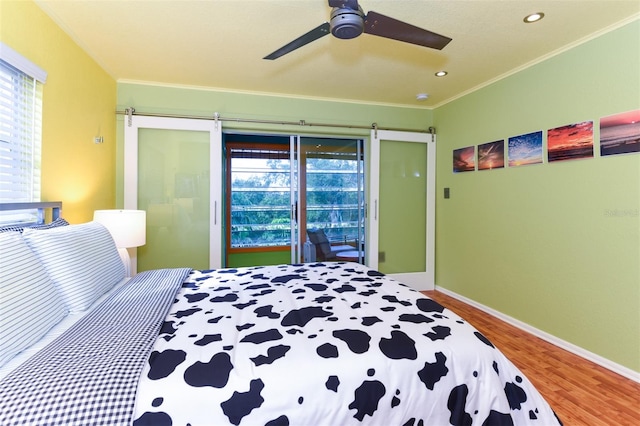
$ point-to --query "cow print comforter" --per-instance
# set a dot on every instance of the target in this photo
(324, 344)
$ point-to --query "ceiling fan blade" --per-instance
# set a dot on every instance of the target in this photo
(307, 38)
(350, 4)
(384, 26)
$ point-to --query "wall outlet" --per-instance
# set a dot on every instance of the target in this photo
(381, 256)
(447, 193)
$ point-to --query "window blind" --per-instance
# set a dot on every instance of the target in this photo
(20, 135)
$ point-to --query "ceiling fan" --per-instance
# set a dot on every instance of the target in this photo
(349, 21)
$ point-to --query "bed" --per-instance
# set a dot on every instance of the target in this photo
(333, 343)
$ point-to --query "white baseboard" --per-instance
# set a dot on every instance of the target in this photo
(570, 347)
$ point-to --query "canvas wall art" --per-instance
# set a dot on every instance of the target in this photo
(525, 149)
(491, 155)
(464, 159)
(620, 133)
(571, 142)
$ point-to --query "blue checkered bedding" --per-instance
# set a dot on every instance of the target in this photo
(90, 373)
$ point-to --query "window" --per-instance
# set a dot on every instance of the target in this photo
(259, 182)
(20, 130)
(330, 189)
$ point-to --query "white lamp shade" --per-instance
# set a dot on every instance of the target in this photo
(127, 227)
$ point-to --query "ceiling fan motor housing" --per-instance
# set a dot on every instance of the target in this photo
(347, 23)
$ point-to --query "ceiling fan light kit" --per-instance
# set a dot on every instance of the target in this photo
(347, 21)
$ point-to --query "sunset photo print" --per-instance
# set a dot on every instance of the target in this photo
(491, 155)
(571, 142)
(525, 149)
(620, 133)
(464, 159)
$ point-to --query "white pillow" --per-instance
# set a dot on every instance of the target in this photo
(29, 303)
(82, 260)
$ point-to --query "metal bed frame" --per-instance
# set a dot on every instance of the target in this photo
(41, 207)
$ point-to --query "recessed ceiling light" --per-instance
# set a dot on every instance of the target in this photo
(441, 73)
(534, 17)
(422, 96)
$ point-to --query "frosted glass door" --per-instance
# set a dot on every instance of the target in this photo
(173, 188)
(173, 172)
(402, 206)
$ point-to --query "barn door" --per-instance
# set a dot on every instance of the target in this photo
(172, 170)
(402, 206)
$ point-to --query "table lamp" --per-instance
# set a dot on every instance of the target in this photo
(128, 229)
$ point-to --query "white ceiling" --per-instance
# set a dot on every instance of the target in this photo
(220, 44)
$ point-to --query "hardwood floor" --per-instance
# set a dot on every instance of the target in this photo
(579, 391)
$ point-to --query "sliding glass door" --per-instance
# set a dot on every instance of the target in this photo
(282, 190)
(260, 181)
(332, 196)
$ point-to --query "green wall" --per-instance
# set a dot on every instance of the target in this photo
(200, 101)
(557, 245)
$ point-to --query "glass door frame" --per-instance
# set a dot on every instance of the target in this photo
(214, 127)
(424, 280)
(294, 198)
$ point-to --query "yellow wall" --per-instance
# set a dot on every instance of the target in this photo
(78, 105)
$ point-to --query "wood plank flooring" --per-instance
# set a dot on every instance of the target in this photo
(579, 391)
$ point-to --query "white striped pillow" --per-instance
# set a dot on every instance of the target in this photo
(82, 260)
(29, 303)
